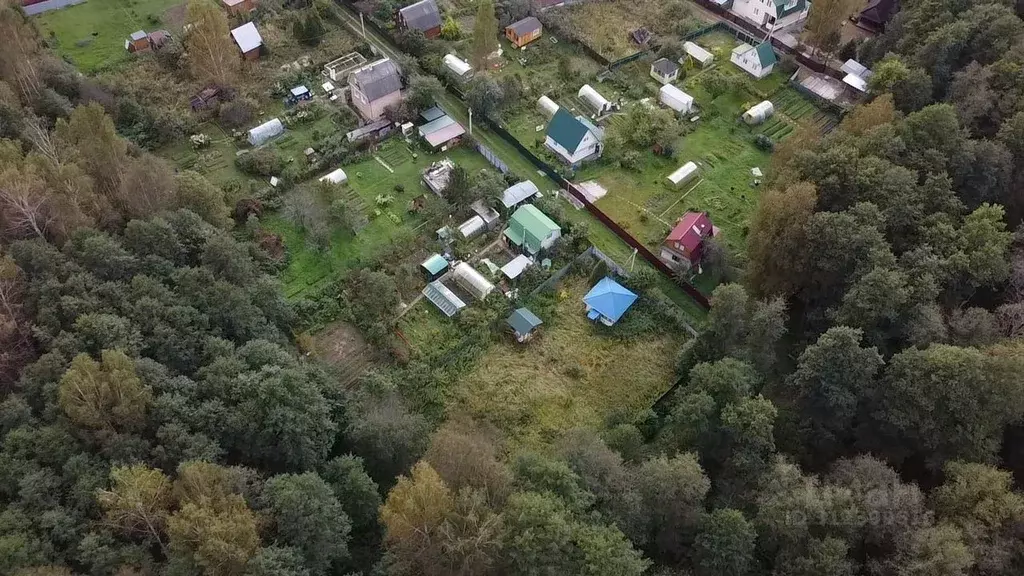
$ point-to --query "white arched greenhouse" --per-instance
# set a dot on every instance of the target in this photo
(759, 113)
(260, 134)
(598, 103)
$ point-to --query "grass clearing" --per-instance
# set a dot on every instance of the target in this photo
(92, 34)
(571, 375)
(309, 268)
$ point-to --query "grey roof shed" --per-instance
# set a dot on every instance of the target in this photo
(664, 67)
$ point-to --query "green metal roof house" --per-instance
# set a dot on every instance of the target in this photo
(523, 322)
(758, 61)
(531, 230)
(571, 139)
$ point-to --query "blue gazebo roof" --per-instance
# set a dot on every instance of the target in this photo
(609, 299)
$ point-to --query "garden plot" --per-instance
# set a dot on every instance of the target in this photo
(720, 144)
(794, 106)
(383, 196)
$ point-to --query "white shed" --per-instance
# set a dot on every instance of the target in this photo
(675, 99)
(599, 103)
(472, 227)
(685, 173)
(458, 66)
(759, 113)
(513, 269)
(699, 55)
(265, 131)
(336, 177)
(547, 106)
(472, 281)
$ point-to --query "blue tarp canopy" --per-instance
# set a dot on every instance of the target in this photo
(609, 299)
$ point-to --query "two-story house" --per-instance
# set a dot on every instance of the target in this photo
(771, 14)
(374, 87)
(573, 139)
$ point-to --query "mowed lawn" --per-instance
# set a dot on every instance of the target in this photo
(367, 179)
(92, 34)
(720, 144)
(570, 376)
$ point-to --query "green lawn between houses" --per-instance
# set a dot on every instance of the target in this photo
(366, 180)
(91, 35)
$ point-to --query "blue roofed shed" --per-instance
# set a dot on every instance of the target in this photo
(607, 301)
(523, 322)
(434, 266)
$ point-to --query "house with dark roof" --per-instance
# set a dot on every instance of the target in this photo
(374, 87)
(876, 15)
(771, 14)
(664, 70)
(423, 16)
(573, 139)
(524, 31)
(523, 323)
(758, 61)
(684, 245)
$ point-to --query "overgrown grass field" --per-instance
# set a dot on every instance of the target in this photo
(571, 375)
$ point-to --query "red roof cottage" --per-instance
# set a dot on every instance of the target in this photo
(684, 244)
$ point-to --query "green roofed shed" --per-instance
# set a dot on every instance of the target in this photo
(765, 54)
(531, 229)
(434, 266)
(523, 323)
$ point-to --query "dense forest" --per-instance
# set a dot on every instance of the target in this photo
(853, 407)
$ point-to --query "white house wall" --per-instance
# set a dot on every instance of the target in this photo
(751, 64)
(588, 147)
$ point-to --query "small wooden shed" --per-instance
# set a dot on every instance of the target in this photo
(524, 31)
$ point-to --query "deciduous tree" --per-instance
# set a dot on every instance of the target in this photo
(308, 516)
(725, 544)
(138, 501)
(106, 395)
(212, 55)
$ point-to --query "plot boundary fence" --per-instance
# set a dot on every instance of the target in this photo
(578, 195)
(642, 250)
